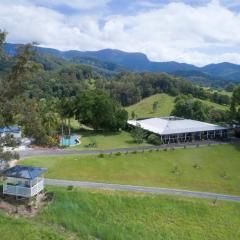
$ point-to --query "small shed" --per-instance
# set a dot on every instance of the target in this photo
(14, 131)
(23, 181)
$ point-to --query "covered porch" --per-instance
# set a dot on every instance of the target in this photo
(26, 188)
(195, 136)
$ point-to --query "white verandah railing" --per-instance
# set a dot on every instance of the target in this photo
(23, 191)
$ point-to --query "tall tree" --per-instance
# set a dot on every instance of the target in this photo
(235, 105)
(96, 109)
(187, 107)
(12, 88)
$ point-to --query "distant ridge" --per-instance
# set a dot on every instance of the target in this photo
(210, 74)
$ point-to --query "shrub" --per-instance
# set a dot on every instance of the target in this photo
(154, 139)
(70, 188)
(224, 175)
(134, 152)
(51, 141)
(176, 170)
(118, 154)
(196, 166)
(101, 155)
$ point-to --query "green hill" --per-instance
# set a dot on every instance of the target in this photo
(144, 108)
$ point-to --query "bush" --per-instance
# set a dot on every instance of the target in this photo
(134, 152)
(176, 170)
(51, 141)
(101, 155)
(70, 188)
(196, 166)
(154, 139)
(118, 154)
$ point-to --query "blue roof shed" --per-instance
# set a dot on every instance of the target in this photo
(10, 129)
(24, 172)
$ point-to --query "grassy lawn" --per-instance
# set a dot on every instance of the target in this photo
(106, 140)
(212, 168)
(85, 214)
(143, 109)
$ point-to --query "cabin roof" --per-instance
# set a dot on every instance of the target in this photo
(10, 129)
(24, 172)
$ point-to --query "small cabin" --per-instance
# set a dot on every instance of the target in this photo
(23, 181)
(14, 131)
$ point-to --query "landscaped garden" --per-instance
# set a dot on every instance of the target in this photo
(90, 140)
(211, 168)
(89, 214)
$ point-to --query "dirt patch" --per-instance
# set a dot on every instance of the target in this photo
(23, 207)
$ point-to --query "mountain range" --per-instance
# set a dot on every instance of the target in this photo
(115, 60)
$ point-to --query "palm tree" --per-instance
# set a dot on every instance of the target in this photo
(66, 113)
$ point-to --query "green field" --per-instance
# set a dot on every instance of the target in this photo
(144, 108)
(85, 214)
(24, 229)
(211, 168)
(106, 140)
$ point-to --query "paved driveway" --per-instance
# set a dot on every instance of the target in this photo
(57, 152)
(131, 188)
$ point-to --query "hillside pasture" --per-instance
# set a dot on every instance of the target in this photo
(144, 108)
(211, 168)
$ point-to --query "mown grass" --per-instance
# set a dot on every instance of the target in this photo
(211, 168)
(109, 215)
(144, 108)
(106, 140)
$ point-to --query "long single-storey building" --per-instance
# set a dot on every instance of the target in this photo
(174, 129)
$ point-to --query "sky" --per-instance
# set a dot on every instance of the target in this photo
(198, 32)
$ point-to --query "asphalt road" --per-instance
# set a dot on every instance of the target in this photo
(57, 152)
(131, 188)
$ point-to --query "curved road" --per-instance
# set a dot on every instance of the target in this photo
(132, 188)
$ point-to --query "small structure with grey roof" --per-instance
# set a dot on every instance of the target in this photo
(174, 129)
(14, 131)
(23, 181)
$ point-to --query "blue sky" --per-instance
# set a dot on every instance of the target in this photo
(192, 31)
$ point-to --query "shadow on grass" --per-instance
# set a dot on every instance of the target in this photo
(91, 133)
(237, 146)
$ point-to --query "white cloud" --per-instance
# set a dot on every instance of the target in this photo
(77, 4)
(173, 32)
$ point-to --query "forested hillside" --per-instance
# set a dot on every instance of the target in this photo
(112, 61)
(62, 78)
